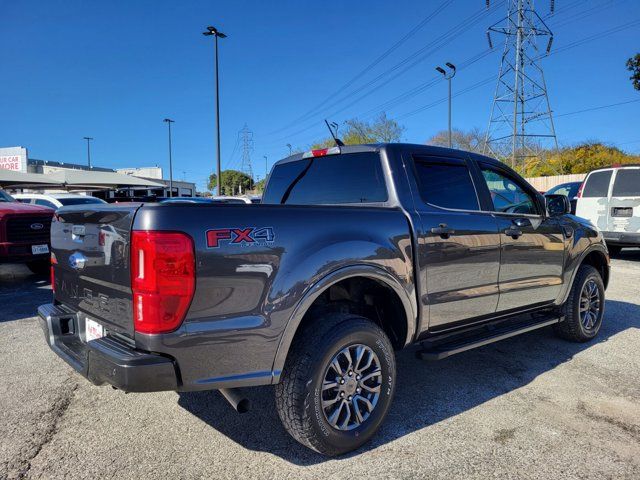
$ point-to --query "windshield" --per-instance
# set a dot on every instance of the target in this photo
(80, 201)
(5, 197)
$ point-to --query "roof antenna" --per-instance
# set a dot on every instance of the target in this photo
(334, 126)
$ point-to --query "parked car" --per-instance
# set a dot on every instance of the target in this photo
(24, 233)
(570, 190)
(57, 200)
(219, 199)
(355, 252)
(610, 199)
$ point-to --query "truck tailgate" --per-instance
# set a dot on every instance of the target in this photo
(90, 248)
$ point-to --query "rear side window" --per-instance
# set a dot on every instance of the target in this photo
(627, 183)
(333, 179)
(597, 185)
(446, 184)
(80, 201)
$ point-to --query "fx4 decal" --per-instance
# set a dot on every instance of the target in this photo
(240, 236)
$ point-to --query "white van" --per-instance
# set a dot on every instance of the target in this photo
(610, 198)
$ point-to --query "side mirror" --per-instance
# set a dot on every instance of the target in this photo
(557, 205)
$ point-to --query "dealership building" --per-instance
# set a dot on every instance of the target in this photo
(17, 159)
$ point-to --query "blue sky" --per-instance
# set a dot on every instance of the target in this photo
(113, 70)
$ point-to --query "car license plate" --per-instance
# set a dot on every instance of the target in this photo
(93, 330)
(39, 249)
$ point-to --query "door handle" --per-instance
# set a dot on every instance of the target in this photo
(442, 230)
(513, 232)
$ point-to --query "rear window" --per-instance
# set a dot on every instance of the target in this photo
(80, 201)
(446, 185)
(333, 179)
(627, 183)
(597, 184)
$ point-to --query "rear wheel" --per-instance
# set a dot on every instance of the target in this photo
(39, 267)
(337, 384)
(584, 309)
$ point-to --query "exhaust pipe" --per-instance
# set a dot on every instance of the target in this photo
(237, 400)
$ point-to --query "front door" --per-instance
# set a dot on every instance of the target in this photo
(459, 245)
(533, 244)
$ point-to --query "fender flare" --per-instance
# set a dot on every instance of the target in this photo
(594, 247)
(367, 271)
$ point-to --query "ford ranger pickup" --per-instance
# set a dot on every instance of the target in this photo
(355, 252)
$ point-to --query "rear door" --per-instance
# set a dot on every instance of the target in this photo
(532, 244)
(593, 201)
(91, 251)
(624, 203)
(458, 243)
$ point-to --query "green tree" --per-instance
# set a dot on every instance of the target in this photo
(231, 182)
(633, 65)
(579, 159)
(259, 186)
(471, 141)
(380, 130)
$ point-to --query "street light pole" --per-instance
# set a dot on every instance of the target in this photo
(289, 145)
(212, 31)
(88, 139)
(169, 122)
(448, 75)
(266, 168)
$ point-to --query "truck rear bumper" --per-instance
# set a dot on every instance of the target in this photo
(622, 239)
(105, 360)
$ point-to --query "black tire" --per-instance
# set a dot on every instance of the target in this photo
(573, 327)
(614, 250)
(299, 394)
(39, 267)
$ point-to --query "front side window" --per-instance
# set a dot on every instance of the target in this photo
(507, 195)
(45, 203)
(328, 180)
(446, 184)
(597, 184)
(627, 183)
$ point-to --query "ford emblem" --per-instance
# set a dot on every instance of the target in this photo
(37, 226)
(77, 261)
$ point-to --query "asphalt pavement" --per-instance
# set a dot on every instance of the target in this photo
(532, 406)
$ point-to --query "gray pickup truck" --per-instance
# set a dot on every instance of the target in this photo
(355, 252)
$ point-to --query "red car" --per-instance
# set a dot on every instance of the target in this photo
(24, 233)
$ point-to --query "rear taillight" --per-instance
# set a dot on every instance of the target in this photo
(162, 279)
(321, 152)
(101, 237)
(54, 261)
(579, 195)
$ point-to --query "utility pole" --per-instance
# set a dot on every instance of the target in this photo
(88, 139)
(246, 136)
(289, 145)
(521, 119)
(212, 31)
(448, 76)
(169, 122)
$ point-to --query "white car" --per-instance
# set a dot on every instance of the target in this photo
(56, 200)
(610, 199)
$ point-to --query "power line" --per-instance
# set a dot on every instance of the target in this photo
(369, 67)
(599, 107)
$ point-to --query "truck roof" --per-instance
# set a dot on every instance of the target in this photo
(376, 147)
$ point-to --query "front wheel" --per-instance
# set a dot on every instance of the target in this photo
(584, 309)
(337, 384)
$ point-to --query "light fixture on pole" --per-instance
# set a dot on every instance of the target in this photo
(169, 122)
(266, 168)
(88, 139)
(212, 31)
(448, 76)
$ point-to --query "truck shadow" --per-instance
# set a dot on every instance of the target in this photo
(426, 393)
(21, 292)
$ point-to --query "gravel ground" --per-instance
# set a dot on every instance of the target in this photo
(528, 407)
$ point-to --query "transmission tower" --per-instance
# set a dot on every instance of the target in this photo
(521, 120)
(246, 136)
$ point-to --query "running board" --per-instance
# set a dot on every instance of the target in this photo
(444, 350)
